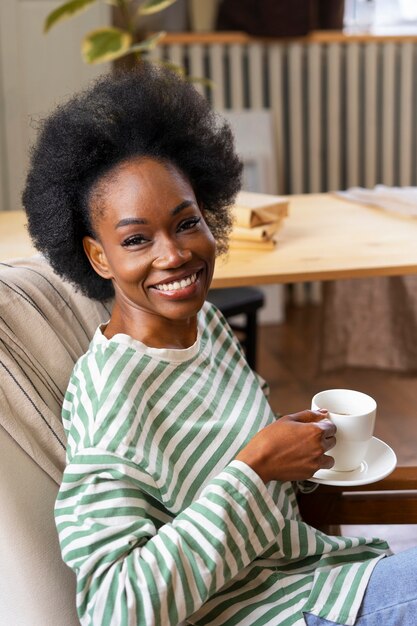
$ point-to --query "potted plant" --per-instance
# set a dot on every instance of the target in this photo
(110, 43)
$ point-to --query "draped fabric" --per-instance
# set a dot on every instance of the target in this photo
(45, 326)
(370, 323)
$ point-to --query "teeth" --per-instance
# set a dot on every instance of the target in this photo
(185, 282)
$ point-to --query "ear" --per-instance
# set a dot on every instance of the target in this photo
(97, 257)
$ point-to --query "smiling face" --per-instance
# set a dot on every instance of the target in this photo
(155, 246)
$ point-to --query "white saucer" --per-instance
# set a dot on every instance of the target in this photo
(380, 460)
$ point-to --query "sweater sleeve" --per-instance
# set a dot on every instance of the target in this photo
(134, 563)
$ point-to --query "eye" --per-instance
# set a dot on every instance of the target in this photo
(189, 223)
(134, 240)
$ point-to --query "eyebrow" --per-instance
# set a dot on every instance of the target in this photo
(127, 221)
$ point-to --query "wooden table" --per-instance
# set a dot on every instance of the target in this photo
(327, 238)
(324, 238)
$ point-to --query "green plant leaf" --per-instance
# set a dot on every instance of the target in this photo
(66, 10)
(154, 6)
(180, 70)
(105, 44)
(148, 44)
(205, 82)
(174, 67)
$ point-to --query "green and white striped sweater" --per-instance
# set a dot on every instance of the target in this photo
(159, 522)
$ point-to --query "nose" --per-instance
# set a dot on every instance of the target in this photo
(170, 255)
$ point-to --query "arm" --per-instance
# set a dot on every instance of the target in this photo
(132, 563)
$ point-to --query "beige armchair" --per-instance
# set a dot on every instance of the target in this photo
(44, 326)
(36, 586)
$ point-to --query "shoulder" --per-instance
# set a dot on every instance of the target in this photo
(103, 375)
(109, 357)
(216, 331)
(210, 315)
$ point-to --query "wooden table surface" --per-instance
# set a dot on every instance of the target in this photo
(323, 238)
(326, 238)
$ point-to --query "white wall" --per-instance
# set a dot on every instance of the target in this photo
(36, 72)
(254, 135)
(4, 194)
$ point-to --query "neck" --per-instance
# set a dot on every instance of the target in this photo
(152, 330)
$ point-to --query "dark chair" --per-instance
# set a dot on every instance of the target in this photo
(241, 301)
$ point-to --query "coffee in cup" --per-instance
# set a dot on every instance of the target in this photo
(353, 414)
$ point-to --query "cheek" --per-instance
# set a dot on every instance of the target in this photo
(210, 255)
(212, 244)
(128, 269)
(209, 251)
(209, 243)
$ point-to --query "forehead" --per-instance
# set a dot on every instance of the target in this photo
(139, 185)
(146, 176)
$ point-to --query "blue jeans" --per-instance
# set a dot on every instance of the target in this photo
(391, 596)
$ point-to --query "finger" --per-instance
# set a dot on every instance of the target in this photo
(321, 415)
(328, 443)
(309, 416)
(328, 428)
(327, 461)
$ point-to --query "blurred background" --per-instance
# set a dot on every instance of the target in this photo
(342, 112)
(321, 93)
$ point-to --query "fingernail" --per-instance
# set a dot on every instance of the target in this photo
(323, 411)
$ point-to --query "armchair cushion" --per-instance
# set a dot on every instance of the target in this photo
(37, 588)
(45, 325)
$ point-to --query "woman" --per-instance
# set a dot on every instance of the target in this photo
(176, 504)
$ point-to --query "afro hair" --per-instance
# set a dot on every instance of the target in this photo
(147, 112)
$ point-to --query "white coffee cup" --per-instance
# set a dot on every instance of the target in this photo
(353, 414)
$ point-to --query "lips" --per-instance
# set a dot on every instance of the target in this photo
(176, 285)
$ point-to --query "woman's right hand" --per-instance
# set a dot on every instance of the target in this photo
(292, 448)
